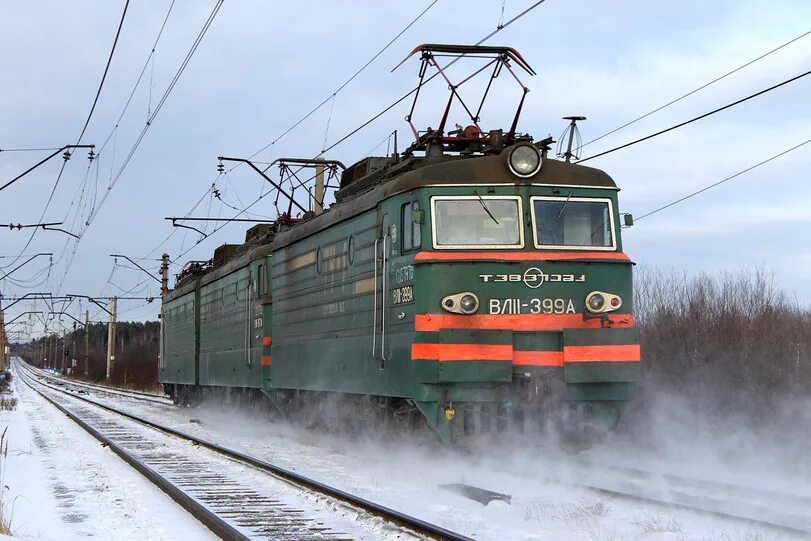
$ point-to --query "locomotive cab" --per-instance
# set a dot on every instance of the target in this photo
(511, 296)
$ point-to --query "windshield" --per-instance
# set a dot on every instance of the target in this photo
(566, 222)
(477, 222)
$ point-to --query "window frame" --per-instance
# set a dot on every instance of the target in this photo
(518, 198)
(406, 224)
(574, 199)
(416, 227)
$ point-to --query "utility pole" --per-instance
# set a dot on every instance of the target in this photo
(64, 352)
(86, 341)
(73, 347)
(111, 337)
(319, 187)
(2, 342)
(164, 274)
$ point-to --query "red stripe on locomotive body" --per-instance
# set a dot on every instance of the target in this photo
(606, 353)
(524, 322)
(519, 256)
(538, 358)
(501, 352)
(461, 352)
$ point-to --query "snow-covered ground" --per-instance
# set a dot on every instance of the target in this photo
(61, 484)
(406, 476)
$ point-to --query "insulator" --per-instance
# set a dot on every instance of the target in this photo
(220, 167)
(91, 155)
(66, 155)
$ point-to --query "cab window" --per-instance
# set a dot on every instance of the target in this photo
(477, 222)
(573, 223)
(407, 234)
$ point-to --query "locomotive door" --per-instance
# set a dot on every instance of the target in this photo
(383, 244)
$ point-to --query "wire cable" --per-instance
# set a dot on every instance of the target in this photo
(138, 80)
(702, 87)
(149, 122)
(718, 183)
(106, 69)
(344, 84)
(699, 117)
(427, 80)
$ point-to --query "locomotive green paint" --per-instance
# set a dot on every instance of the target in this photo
(180, 340)
(344, 292)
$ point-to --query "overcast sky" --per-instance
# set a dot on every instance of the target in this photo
(263, 65)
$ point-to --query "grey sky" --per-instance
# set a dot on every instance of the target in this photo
(265, 64)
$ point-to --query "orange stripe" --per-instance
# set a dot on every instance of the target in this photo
(462, 352)
(538, 358)
(586, 354)
(266, 360)
(520, 256)
(525, 322)
(266, 341)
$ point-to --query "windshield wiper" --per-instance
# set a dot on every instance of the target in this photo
(487, 210)
(563, 207)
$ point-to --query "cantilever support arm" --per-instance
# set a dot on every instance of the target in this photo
(137, 265)
(24, 263)
(175, 224)
(91, 299)
(262, 173)
(21, 175)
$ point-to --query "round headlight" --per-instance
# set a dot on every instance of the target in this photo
(468, 303)
(524, 160)
(595, 302)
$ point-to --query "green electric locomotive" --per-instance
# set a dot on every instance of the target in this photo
(470, 283)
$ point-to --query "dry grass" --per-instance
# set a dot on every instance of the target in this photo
(5, 515)
(649, 524)
(7, 403)
(731, 343)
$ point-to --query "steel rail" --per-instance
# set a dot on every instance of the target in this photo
(391, 515)
(115, 391)
(198, 510)
(687, 483)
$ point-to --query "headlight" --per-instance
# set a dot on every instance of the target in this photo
(599, 302)
(524, 160)
(595, 302)
(469, 303)
(461, 303)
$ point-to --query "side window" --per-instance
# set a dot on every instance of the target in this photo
(263, 280)
(405, 227)
(416, 227)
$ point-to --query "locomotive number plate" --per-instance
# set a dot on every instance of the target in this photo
(402, 295)
(537, 305)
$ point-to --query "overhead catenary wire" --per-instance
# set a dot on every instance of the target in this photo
(138, 80)
(303, 118)
(698, 89)
(699, 117)
(212, 15)
(723, 180)
(375, 117)
(106, 69)
(344, 84)
(428, 79)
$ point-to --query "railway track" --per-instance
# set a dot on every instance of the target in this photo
(235, 495)
(759, 506)
(92, 387)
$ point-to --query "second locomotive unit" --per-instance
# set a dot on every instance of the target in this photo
(469, 283)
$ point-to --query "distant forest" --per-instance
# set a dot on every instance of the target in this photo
(136, 353)
(726, 346)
